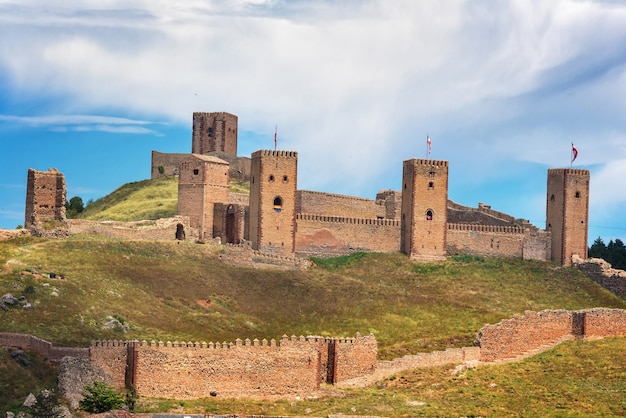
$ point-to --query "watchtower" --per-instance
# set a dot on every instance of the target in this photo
(273, 184)
(424, 214)
(45, 197)
(215, 131)
(202, 181)
(567, 213)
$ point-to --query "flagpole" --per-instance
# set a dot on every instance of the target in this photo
(275, 134)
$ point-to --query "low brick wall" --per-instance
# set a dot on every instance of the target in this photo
(602, 273)
(160, 229)
(42, 347)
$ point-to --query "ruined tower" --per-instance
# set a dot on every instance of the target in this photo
(45, 197)
(567, 213)
(424, 215)
(202, 181)
(215, 131)
(273, 184)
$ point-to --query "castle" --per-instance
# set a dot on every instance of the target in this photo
(419, 220)
(277, 219)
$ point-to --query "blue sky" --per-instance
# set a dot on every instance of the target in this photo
(502, 87)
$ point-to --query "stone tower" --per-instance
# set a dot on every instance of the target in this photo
(424, 214)
(216, 131)
(202, 181)
(273, 184)
(45, 197)
(567, 213)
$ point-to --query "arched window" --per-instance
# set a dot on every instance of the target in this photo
(271, 178)
(577, 195)
(431, 185)
(285, 179)
(429, 215)
(278, 204)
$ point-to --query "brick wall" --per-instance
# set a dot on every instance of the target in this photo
(329, 204)
(323, 235)
(497, 241)
(243, 369)
(42, 347)
(166, 162)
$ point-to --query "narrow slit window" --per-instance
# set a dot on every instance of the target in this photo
(429, 215)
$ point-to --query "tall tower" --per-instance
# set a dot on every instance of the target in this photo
(273, 185)
(567, 213)
(45, 197)
(216, 131)
(424, 213)
(202, 181)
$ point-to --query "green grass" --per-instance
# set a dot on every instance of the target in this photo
(143, 200)
(170, 291)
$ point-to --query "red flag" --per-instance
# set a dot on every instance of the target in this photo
(574, 152)
(430, 144)
(275, 133)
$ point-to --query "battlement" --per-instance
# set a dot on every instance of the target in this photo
(284, 342)
(424, 161)
(346, 220)
(336, 195)
(275, 153)
(218, 115)
(575, 171)
(486, 228)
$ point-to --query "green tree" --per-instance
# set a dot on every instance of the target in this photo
(100, 398)
(598, 249)
(74, 207)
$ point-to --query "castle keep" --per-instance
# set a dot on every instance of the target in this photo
(419, 220)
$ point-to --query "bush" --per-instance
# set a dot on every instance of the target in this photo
(100, 398)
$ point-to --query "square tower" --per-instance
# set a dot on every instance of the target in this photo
(45, 197)
(273, 184)
(567, 213)
(216, 131)
(424, 213)
(202, 181)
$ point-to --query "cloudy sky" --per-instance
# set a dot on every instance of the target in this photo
(503, 88)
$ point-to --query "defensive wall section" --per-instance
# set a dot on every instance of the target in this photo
(42, 347)
(242, 369)
(513, 337)
(319, 235)
(602, 273)
(298, 366)
(160, 229)
(497, 241)
(330, 204)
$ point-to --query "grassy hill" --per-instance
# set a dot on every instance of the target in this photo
(170, 291)
(143, 200)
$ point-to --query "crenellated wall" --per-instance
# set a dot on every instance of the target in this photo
(323, 235)
(497, 241)
(241, 369)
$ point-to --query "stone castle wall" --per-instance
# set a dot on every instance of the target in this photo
(513, 337)
(42, 347)
(330, 204)
(242, 369)
(497, 241)
(328, 235)
(160, 229)
(602, 273)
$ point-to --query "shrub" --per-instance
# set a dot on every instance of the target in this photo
(100, 398)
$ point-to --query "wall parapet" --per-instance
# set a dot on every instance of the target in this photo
(346, 220)
(487, 228)
(337, 195)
